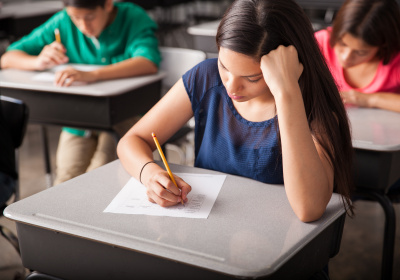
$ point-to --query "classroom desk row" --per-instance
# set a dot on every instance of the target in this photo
(376, 138)
(204, 36)
(113, 244)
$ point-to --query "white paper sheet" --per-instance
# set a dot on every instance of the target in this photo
(49, 75)
(132, 199)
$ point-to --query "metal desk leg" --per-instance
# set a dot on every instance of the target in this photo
(45, 141)
(389, 234)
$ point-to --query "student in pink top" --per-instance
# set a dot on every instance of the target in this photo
(362, 50)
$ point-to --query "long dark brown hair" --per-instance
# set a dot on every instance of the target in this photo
(376, 22)
(254, 28)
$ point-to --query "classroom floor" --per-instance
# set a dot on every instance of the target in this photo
(359, 256)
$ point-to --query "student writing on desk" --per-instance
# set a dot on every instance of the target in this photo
(119, 35)
(362, 49)
(266, 109)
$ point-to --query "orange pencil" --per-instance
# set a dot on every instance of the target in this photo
(164, 160)
(57, 34)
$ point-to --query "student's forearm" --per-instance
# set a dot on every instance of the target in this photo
(136, 147)
(128, 68)
(18, 60)
(384, 100)
(306, 181)
(133, 153)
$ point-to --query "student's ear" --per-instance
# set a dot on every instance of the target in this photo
(109, 5)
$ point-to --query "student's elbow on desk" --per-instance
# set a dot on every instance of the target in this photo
(308, 211)
(308, 215)
(6, 60)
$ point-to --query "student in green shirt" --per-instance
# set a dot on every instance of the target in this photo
(118, 35)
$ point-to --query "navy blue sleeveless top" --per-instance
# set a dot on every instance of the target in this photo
(224, 140)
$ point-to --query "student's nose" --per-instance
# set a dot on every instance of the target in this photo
(84, 26)
(233, 84)
(346, 55)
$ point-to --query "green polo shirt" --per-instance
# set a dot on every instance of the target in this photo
(131, 34)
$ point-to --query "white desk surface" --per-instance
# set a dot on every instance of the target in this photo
(210, 28)
(251, 230)
(375, 129)
(28, 9)
(19, 79)
(204, 29)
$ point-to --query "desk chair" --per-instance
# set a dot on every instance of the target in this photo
(176, 61)
(16, 116)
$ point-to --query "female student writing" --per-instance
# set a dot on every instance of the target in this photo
(362, 50)
(266, 109)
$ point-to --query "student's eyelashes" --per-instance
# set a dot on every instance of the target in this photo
(222, 66)
(361, 53)
(253, 81)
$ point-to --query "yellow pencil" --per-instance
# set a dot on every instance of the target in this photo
(164, 160)
(57, 34)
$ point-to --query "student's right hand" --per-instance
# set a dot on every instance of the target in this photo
(161, 190)
(51, 55)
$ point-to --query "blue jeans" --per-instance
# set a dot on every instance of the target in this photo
(7, 186)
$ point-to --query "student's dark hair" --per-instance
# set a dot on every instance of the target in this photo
(376, 22)
(256, 27)
(84, 4)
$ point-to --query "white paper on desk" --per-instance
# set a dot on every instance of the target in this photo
(132, 199)
(49, 75)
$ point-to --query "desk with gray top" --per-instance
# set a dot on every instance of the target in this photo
(101, 105)
(250, 233)
(204, 37)
(376, 139)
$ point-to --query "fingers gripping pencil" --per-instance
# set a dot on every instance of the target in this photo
(164, 160)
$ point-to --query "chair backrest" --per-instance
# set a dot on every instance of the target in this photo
(176, 61)
(15, 113)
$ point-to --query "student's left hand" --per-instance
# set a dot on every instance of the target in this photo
(355, 97)
(281, 69)
(69, 75)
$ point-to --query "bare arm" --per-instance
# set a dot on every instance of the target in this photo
(308, 174)
(50, 56)
(128, 68)
(136, 147)
(381, 100)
